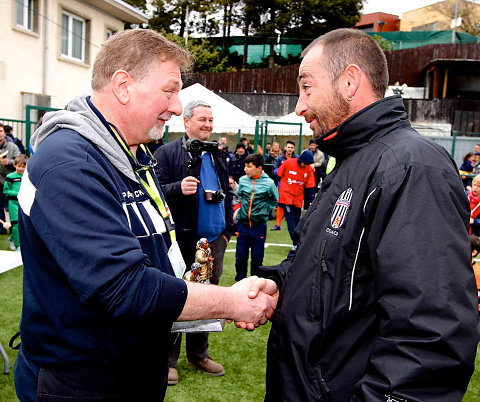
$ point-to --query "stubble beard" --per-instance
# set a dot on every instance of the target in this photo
(331, 116)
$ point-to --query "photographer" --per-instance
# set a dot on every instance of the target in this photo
(194, 176)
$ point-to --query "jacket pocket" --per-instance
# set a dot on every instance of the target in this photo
(318, 285)
(320, 385)
(322, 288)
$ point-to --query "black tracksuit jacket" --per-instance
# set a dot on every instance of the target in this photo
(379, 299)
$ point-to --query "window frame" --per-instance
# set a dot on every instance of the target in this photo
(29, 16)
(70, 36)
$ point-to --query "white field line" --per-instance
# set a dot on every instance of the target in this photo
(266, 246)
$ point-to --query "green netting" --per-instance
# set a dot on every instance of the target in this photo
(258, 52)
(405, 40)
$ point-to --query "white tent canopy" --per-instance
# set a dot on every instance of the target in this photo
(227, 118)
(280, 129)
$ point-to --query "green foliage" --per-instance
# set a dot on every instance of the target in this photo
(385, 44)
(208, 57)
(140, 4)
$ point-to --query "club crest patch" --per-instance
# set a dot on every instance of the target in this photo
(340, 209)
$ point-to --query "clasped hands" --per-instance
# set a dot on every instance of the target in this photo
(257, 300)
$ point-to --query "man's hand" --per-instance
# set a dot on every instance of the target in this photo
(189, 185)
(253, 302)
(257, 288)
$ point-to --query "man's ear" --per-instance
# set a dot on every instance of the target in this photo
(349, 81)
(474, 253)
(121, 81)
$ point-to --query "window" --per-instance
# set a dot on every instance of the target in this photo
(110, 32)
(26, 14)
(73, 36)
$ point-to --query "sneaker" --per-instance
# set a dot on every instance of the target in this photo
(172, 376)
(208, 366)
(11, 244)
(294, 248)
(276, 227)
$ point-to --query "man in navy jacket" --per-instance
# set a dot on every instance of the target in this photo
(102, 270)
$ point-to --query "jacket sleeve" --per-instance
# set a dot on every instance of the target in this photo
(273, 193)
(277, 273)
(425, 292)
(229, 226)
(7, 188)
(97, 253)
(280, 170)
(171, 187)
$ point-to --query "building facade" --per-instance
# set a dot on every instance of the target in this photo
(49, 46)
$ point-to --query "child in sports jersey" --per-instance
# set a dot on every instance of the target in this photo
(474, 198)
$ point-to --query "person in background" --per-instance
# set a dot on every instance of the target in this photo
(248, 147)
(288, 152)
(16, 141)
(197, 216)
(258, 195)
(473, 195)
(296, 180)
(237, 165)
(270, 161)
(8, 152)
(10, 190)
(475, 244)
(467, 168)
(319, 165)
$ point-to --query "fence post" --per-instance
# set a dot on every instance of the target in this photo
(300, 140)
(166, 134)
(239, 135)
(255, 140)
(28, 130)
(453, 144)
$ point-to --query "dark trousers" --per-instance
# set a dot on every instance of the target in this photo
(197, 344)
(249, 238)
(292, 215)
(88, 382)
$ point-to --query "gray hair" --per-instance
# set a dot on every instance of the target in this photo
(189, 110)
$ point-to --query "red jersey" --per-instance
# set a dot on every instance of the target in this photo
(294, 180)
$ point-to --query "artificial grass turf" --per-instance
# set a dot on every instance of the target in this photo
(242, 353)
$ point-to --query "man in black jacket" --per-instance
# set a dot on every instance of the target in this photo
(378, 302)
(194, 216)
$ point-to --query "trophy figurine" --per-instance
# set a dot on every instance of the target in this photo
(200, 271)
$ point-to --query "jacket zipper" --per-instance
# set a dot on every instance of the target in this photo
(358, 251)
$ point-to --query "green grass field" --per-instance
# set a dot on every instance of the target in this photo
(242, 353)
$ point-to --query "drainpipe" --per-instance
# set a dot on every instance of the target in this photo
(45, 48)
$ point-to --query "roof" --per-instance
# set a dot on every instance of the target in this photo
(121, 10)
(227, 118)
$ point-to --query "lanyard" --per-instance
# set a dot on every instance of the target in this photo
(150, 186)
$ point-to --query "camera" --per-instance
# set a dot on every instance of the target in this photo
(213, 196)
(196, 147)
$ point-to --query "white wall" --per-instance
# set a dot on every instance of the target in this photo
(21, 58)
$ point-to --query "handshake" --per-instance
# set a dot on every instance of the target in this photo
(249, 303)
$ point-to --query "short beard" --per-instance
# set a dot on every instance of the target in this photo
(338, 111)
(155, 133)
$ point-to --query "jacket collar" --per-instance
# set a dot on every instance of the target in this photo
(361, 128)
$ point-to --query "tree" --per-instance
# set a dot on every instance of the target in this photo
(468, 10)
(312, 18)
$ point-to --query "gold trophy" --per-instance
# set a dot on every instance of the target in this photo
(200, 271)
